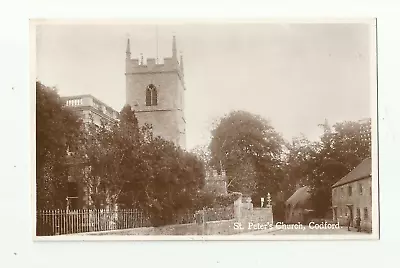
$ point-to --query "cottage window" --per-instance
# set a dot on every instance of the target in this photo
(365, 213)
(360, 187)
(350, 190)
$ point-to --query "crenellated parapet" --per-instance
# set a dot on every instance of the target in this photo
(152, 65)
(155, 90)
(135, 66)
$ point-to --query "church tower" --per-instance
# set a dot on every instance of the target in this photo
(156, 92)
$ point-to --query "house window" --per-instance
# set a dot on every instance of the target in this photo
(350, 190)
(148, 97)
(72, 189)
(72, 203)
(370, 191)
(342, 191)
(360, 188)
(72, 196)
(365, 213)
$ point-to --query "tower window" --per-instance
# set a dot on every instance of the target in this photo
(148, 97)
(154, 96)
(151, 95)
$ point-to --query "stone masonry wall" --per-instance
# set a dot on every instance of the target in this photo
(359, 199)
(167, 117)
(256, 216)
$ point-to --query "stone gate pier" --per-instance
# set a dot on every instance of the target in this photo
(252, 218)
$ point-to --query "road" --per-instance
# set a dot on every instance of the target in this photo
(304, 230)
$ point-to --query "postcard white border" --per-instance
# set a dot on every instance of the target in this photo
(374, 113)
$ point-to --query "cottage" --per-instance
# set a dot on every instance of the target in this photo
(353, 195)
(298, 208)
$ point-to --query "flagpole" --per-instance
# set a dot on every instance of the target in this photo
(157, 44)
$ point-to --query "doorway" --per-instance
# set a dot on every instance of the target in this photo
(351, 214)
(335, 214)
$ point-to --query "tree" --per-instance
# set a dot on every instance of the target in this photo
(348, 144)
(340, 150)
(174, 178)
(300, 157)
(250, 151)
(203, 153)
(111, 154)
(132, 168)
(58, 130)
(322, 163)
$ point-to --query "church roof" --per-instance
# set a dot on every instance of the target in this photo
(361, 171)
(300, 197)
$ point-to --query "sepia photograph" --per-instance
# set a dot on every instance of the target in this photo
(204, 130)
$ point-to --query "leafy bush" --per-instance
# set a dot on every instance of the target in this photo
(212, 200)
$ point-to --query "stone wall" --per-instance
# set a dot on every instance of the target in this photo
(177, 229)
(262, 215)
(246, 219)
(226, 227)
(253, 220)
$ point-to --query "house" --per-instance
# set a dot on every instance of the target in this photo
(89, 109)
(298, 208)
(353, 194)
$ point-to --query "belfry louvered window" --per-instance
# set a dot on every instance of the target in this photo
(154, 96)
(148, 97)
(151, 95)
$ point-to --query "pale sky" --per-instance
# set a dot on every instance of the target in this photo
(293, 75)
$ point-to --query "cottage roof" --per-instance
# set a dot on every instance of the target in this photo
(361, 171)
(300, 197)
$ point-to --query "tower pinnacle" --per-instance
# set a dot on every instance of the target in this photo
(174, 55)
(181, 61)
(128, 50)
